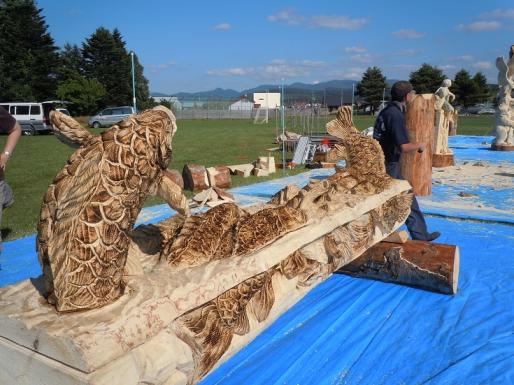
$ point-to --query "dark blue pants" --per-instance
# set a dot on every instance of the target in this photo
(416, 221)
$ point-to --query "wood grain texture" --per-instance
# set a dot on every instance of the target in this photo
(417, 167)
(420, 264)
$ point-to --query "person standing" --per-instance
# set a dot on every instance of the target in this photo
(390, 131)
(9, 126)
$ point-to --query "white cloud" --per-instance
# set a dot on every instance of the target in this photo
(290, 17)
(287, 16)
(355, 49)
(236, 71)
(352, 73)
(404, 67)
(482, 65)
(462, 58)
(499, 14)
(222, 27)
(337, 22)
(407, 52)
(160, 67)
(479, 26)
(446, 67)
(278, 68)
(362, 58)
(408, 34)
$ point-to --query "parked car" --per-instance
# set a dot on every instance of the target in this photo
(485, 110)
(110, 116)
(32, 117)
(64, 111)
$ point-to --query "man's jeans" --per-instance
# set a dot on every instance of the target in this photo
(416, 221)
(6, 199)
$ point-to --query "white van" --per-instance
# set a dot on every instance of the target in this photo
(32, 116)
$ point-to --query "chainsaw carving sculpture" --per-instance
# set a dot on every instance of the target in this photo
(92, 205)
(504, 124)
(186, 293)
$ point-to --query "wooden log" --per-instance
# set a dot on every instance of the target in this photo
(219, 176)
(442, 160)
(397, 237)
(417, 167)
(175, 176)
(505, 147)
(195, 177)
(420, 264)
(260, 172)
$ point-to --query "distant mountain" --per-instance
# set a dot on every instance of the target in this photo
(296, 90)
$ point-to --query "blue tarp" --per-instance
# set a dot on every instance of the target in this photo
(354, 331)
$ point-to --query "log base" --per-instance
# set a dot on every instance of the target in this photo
(442, 160)
(504, 147)
(424, 265)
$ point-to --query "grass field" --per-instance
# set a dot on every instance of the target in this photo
(37, 159)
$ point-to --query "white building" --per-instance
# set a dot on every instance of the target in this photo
(241, 105)
(267, 99)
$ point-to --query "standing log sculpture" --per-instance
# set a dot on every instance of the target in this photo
(199, 288)
(417, 167)
(442, 155)
(504, 114)
(420, 264)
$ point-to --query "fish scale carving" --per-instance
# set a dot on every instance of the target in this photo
(94, 201)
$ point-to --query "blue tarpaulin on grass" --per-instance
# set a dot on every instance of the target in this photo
(355, 331)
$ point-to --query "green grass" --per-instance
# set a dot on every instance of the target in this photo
(37, 159)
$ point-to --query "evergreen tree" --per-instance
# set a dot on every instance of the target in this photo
(371, 87)
(464, 89)
(84, 94)
(28, 58)
(105, 59)
(71, 59)
(427, 79)
(482, 90)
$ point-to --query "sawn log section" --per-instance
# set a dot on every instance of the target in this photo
(420, 264)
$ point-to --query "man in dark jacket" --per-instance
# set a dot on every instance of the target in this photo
(391, 133)
(9, 126)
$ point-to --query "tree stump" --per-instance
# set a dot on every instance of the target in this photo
(417, 167)
(195, 177)
(420, 264)
(175, 176)
(219, 176)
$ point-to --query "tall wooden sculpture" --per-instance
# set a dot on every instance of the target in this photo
(504, 124)
(442, 156)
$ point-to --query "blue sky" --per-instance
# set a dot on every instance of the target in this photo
(201, 45)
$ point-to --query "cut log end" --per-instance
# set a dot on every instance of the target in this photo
(419, 264)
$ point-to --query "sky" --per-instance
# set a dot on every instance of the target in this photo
(201, 45)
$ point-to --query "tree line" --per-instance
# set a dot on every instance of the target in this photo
(469, 90)
(93, 76)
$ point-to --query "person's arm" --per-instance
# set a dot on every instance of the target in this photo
(401, 138)
(10, 144)
(410, 147)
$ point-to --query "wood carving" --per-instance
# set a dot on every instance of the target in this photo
(442, 155)
(420, 264)
(198, 288)
(93, 202)
(417, 167)
(504, 125)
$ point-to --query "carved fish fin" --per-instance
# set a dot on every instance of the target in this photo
(241, 325)
(262, 302)
(68, 130)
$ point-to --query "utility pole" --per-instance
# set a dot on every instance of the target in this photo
(353, 95)
(283, 123)
(133, 81)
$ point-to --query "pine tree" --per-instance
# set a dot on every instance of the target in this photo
(464, 89)
(372, 86)
(106, 60)
(482, 91)
(28, 58)
(427, 79)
